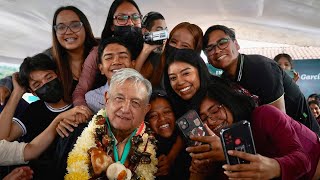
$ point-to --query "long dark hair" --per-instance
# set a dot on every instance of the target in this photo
(60, 54)
(240, 105)
(197, 34)
(107, 32)
(193, 58)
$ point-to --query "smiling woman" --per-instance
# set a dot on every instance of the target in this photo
(72, 41)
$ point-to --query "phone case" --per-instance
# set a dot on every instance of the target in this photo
(191, 124)
(290, 72)
(238, 137)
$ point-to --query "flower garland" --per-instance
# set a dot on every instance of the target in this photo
(78, 163)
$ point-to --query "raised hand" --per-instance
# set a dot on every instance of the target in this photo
(211, 149)
(17, 88)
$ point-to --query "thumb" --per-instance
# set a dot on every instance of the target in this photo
(210, 132)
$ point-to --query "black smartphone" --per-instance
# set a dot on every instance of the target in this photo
(237, 136)
(191, 124)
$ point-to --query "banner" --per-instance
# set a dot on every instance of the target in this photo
(309, 71)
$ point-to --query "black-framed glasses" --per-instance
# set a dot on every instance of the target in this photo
(221, 44)
(213, 113)
(74, 26)
(122, 19)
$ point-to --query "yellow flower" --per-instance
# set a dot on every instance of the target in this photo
(77, 176)
(78, 162)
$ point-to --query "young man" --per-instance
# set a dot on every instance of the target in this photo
(148, 61)
(37, 74)
(113, 55)
(258, 74)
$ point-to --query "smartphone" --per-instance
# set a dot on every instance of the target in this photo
(191, 124)
(237, 136)
(290, 72)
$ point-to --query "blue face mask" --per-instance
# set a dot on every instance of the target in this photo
(51, 92)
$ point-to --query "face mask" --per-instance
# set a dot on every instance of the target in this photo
(51, 92)
(132, 37)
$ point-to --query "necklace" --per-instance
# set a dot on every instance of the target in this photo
(127, 147)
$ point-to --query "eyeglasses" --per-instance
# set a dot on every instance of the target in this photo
(122, 19)
(122, 101)
(221, 44)
(73, 26)
(213, 113)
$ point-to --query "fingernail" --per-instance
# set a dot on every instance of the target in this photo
(187, 149)
(224, 166)
(230, 152)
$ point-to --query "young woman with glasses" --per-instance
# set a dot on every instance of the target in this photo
(286, 149)
(72, 41)
(124, 21)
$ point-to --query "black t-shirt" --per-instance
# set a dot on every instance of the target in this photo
(36, 119)
(264, 78)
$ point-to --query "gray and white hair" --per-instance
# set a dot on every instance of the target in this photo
(131, 74)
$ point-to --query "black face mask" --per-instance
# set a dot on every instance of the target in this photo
(127, 31)
(169, 52)
(132, 37)
(51, 92)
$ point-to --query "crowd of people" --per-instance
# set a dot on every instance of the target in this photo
(108, 107)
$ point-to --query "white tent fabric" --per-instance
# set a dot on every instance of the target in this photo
(25, 25)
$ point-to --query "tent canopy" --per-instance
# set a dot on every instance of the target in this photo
(25, 26)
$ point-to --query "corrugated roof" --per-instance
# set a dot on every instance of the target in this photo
(294, 51)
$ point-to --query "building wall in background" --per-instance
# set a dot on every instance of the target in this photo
(309, 71)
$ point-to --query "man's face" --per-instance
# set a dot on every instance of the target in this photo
(114, 57)
(222, 58)
(127, 106)
(40, 77)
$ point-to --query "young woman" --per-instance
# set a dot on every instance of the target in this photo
(123, 21)
(315, 109)
(286, 149)
(72, 40)
(186, 77)
(285, 62)
(161, 120)
(183, 36)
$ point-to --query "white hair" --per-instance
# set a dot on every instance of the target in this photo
(131, 74)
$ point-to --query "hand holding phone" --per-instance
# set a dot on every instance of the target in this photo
(238, 137)
(191, 124)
